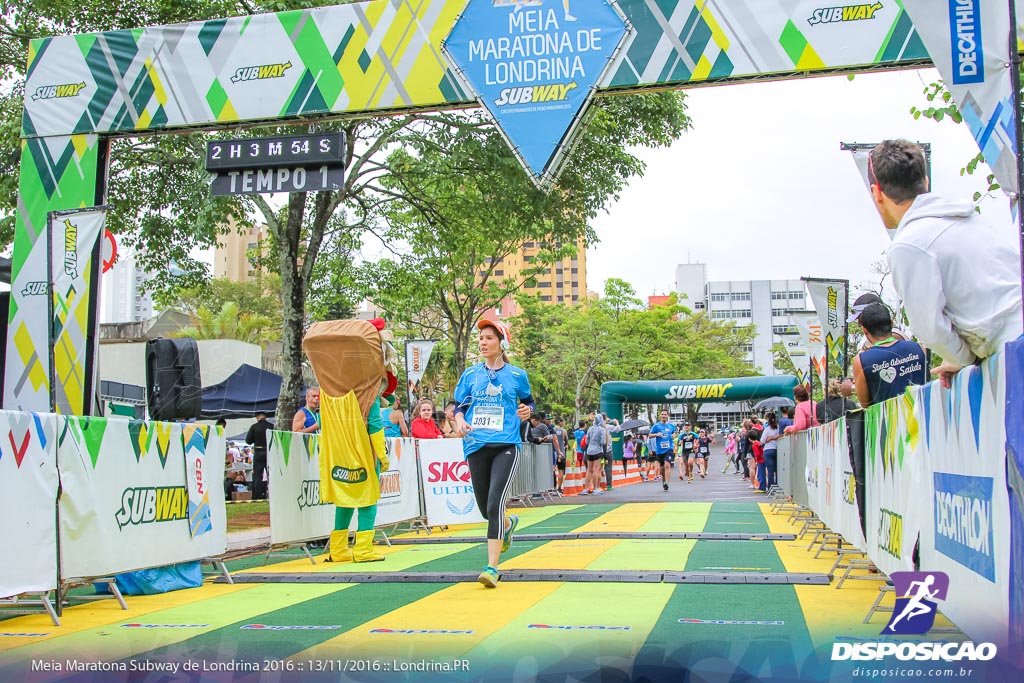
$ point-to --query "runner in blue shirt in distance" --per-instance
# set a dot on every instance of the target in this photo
(664, 448)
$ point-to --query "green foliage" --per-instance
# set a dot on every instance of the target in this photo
(229, 323)
(259, 300)
(570, 352)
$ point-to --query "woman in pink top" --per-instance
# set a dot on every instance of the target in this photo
(804, 417)
(424, 427)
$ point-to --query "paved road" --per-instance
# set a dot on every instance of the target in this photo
(716, 487)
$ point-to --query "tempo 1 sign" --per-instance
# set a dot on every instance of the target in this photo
(268, 180)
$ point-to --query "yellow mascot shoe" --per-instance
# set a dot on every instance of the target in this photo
(338, 550)
(363, 550)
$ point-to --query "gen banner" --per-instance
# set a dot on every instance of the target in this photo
(809, 328)
(128, 499)
(893, 469)
(968, 41)
(830, 301)
(798, 355)
(73, 274)
(966, 526)
(297, 512)
(447, 490)
(28, 491)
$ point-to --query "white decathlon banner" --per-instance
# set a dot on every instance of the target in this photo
(447, 489)
(28, 492)
(125, 501)
(968, 40)
(297, 512)
(829, 299)
(965, 529)
(894, 495)
(808, 326)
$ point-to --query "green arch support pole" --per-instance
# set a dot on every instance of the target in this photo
(730, 390)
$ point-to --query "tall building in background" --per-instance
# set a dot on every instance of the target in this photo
(124, 300)
(563, 282)
(231, 256)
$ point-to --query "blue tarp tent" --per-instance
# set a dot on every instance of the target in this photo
(246, 392)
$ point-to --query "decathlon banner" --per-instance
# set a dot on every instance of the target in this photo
(73, 270)
(798, 356)
(28, 494)
(830, 301)
(894, 495)
(968, 41)
(808, 326)
(965, 529)
(297, 512)
(417, 355)
(129, 500)
(447, 489)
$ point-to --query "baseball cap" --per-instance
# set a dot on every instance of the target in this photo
(501, 327)
(862, 302)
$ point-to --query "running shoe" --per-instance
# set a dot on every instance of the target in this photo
(584, 493)
(759, 491)
(598, 493)
(506, 540)
(489, 577)
(680, 477)
(665, 486)
(691, 479)
(702, 475)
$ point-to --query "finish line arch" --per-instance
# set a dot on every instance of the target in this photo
(373, 58)
(729, 390)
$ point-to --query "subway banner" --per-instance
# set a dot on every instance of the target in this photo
(808, 326)
(129, 500)
(447, 489)
(894, 496)
(965, 529)
(830, 302)
(28, 491)
(297, 512)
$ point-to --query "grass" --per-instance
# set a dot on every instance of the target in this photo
(248, 515)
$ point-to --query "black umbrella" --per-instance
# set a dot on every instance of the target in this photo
(774, 402)
(630, 424)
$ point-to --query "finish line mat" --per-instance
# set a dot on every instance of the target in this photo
(324, 629)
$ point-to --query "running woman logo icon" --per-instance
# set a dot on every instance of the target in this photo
(916, 593)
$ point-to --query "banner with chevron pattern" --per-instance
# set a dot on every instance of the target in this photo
(965, 529)
(131, 501)
(28, 489)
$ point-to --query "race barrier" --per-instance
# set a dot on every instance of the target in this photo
(133, 495)
(936, 478)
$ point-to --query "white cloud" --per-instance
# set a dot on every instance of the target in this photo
(759, 188)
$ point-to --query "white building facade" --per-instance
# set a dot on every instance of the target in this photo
(123, 298)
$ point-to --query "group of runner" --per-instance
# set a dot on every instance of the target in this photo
(665, 440)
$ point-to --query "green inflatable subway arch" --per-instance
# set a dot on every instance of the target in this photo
(728, 390)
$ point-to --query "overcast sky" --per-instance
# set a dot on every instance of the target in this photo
(759, 188)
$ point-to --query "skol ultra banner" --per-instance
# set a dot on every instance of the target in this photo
(894, 495)
(74, 280)
(812, 337)
(447, 488)
(28, 489)
(829, 299)
(966, 520)
(968, 41)
(128, 499)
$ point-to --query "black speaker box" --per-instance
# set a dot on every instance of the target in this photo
(174, 389)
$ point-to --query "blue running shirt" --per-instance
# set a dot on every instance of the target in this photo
(663, 433)
(490, 399)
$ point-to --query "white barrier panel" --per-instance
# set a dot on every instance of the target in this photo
(297, 512)
(28, 489)
(447, 490)
(814, 471)
(842, 485)
(894, 476)
(966, 525)
(130, 501)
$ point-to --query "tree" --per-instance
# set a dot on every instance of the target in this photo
(261, 298)
(228, 323)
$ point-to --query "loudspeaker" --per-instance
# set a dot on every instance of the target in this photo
(174, 390)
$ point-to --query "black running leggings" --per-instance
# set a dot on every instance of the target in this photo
(491, 469)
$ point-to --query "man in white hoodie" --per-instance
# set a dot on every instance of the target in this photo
(958, 276)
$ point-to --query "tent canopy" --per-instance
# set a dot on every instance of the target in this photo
(246, 392)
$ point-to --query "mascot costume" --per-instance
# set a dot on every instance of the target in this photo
(355, 365)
